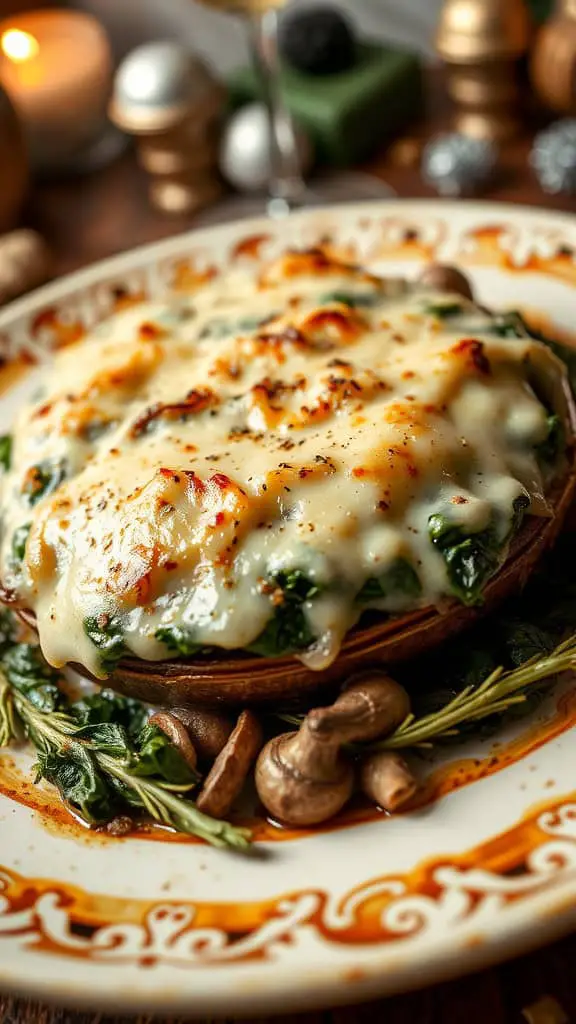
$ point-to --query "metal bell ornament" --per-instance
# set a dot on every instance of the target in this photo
(456, 164)
(553, 157)
(245, 149)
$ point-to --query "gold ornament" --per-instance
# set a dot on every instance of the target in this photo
(14, 170)
(553, 61)
(481, 42)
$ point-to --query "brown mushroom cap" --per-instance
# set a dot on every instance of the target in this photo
(176, 732)
(387, 780)
(228, 774)
(208, 730)
(446, 279)
(302, 781)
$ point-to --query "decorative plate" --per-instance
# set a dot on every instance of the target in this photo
(485, 867)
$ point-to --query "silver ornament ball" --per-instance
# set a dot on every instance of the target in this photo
(245, 149)
(456, 164)
(553, 157)
(158, 79)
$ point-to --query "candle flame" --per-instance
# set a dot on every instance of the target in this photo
(18, 46)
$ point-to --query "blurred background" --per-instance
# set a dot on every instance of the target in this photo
(408, 22)
(122, 121)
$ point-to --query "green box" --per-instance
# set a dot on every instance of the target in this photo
(349, 114)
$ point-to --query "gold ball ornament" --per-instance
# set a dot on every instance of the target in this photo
(553, 60)
(481, 43)
(14, 170)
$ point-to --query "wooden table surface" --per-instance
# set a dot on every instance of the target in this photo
(109, 213)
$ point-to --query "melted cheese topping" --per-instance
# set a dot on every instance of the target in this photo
(186, 454)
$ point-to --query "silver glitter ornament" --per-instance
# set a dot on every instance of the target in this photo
(553, 157)
(245, 149)
(456, 164)
(158, 83)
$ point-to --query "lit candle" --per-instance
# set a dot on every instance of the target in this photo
(56, 66)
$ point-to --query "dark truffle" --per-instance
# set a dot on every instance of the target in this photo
(318, 41)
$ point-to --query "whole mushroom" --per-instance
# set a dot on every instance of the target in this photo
(387, 780)
(306, 777)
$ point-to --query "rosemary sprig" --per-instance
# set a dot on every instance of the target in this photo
(499, 691)
(54, 734)
(7, 716)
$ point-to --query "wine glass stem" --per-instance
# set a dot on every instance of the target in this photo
(286, 185)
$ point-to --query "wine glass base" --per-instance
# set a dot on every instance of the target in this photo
(323, 190)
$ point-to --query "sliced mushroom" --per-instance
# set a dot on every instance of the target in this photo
(229, 772)
(446, 279)
(387, 780)
(208, 730)
(176, 732)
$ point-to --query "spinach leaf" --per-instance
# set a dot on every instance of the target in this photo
(287, 630)
(471, 559)
(109, 737)
(554, 443)
(27, 671)
(524, 640)
(509, 325)
(106, 633)
(42, 479)
(399, 579)
(179, 640)
(444, 310)
(19, 540)
(73, 771)
(221, 328)
(5, 451)
(107, 706)
(352, 299)
(296, 585)
(157, 756)
(513, 325)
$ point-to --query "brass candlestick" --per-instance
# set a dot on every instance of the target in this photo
(553, 61)
(481, 42)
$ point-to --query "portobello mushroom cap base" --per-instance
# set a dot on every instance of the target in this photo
(241, 680)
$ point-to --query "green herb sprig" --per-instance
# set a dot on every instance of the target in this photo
(100, 752)
(497, 694)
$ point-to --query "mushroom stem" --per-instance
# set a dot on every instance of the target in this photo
(372, 705)
(387, 780)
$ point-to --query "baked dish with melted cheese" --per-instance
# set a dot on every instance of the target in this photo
(274, 462)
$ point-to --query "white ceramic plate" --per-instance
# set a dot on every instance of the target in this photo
(485, 870)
